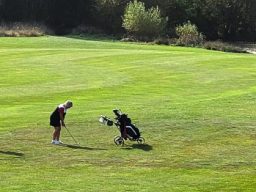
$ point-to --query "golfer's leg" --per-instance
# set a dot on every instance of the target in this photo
(55, 133)
(58, 133)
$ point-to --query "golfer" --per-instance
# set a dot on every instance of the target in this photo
(57, 120)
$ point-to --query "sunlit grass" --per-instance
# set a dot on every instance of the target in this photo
(195, 109)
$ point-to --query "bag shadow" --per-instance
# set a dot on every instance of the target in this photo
(144, 147)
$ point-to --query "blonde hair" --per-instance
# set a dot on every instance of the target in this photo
(68, 103)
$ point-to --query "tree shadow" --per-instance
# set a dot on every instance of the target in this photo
(12, 153)
(144, 147)
(80, 147)
(102, 38)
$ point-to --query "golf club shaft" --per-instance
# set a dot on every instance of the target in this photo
(71, 135)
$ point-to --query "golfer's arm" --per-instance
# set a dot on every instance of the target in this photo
(62, 118)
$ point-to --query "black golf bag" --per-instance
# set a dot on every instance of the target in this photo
(125, 126)
(127, 129)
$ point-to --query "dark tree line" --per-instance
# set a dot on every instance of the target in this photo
(60, 15)
(216, 19)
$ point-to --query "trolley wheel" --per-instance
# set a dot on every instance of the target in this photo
(118, 140)
(141, 140)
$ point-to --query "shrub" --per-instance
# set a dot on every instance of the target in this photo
(188, 35)
(23, 29)
(83, 29)
(221, 46)
(128, 39)
(162, 41)
(141, 22)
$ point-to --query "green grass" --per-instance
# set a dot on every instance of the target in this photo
(195, 108)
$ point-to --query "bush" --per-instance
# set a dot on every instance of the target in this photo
(221, 46)
(162, 41)
(188, 35)
(23, 30)
(141, 22)
(83, 29)
(128, 39)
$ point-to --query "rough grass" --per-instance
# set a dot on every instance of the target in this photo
(23, 30)
(194, 107)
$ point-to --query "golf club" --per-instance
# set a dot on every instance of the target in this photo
(72, 136)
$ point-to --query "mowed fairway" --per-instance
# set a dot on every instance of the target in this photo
(195, 108)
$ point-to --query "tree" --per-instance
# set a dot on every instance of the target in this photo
(216, 19)
(61, 15)
(189, 35)
(108, 15)
(141, 22)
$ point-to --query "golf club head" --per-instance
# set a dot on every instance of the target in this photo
(105, 120)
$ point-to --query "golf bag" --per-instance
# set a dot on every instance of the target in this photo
(125, 126)
(127, 129)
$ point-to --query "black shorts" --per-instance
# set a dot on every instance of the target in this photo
(55, 122)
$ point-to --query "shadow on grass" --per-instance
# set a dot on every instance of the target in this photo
(80, 147)
(12, 153)
(144, 147)
(89, 37)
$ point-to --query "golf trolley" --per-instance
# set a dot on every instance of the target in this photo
(125, 126)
